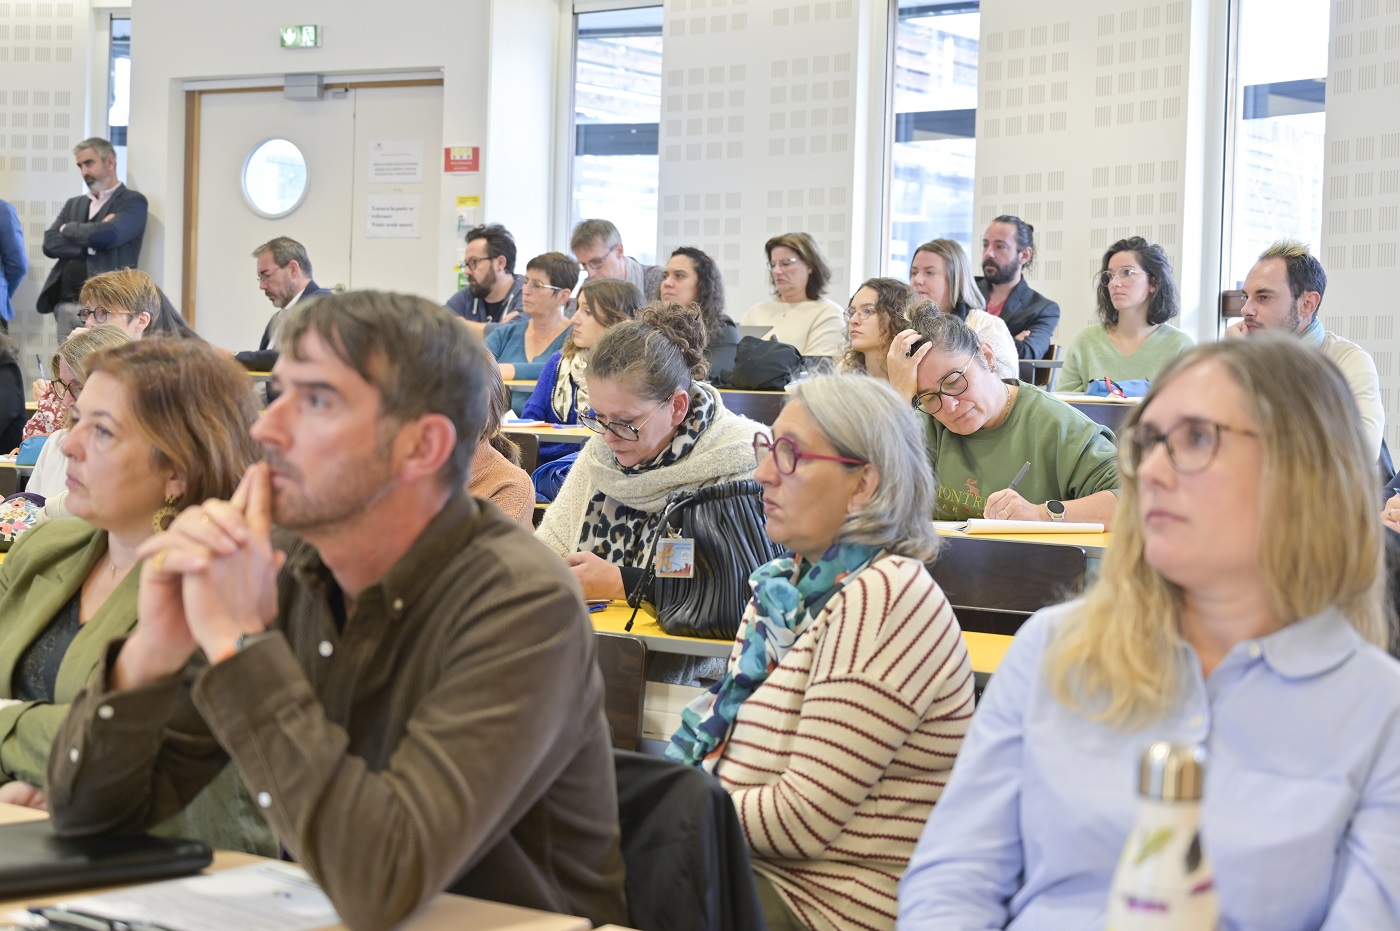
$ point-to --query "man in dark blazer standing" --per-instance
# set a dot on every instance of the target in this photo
(96, 232)
(1008, 249)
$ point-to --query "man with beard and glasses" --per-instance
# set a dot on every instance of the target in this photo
(374, 667)
(493, 294)
(96, 232)
(1008, 250)
(1283, 292)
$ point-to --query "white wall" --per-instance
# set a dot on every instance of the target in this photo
(1093, 125)
(174, 41)
(764, 130)
(1361, 197)
(46, 107)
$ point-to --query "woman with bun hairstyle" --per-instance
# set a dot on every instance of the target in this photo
(661, 429)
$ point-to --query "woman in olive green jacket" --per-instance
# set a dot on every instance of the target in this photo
(158, 425)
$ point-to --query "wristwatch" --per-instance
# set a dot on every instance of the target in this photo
(1056, 509)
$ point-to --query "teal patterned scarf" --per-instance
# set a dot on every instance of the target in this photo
(787, 595)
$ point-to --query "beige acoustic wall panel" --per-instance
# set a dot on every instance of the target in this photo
(1088, 127)
(43, 99)
(1361, 196)
(760, 134)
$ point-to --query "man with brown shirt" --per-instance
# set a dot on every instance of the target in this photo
(407, 685)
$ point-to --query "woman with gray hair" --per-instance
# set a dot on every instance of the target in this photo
(861, 684)
(982, 430)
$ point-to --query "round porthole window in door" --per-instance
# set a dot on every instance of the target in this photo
(274, 178)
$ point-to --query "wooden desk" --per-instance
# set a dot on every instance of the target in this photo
(521, 384)
(1093, 544)
(553, 433)
(31, 406)
(444, 913)
(985, 650)
(10, 464)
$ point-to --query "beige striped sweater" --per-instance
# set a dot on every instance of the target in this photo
(836, 761)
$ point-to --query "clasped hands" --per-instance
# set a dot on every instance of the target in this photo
(209, 579)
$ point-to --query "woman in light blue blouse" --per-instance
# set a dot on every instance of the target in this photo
(1240, 608)
(522, 346)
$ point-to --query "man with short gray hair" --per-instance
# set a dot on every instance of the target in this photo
(96, 232)
(598, 247)
(284, 275)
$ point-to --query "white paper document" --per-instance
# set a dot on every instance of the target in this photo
(978, 525)
(262, 897)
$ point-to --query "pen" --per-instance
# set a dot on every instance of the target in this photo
(594, 609)
(1019, 475)
(40, 359)
(62, 919)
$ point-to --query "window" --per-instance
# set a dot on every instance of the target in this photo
(274, 178)
(119, 81)
(617, 111)
(1278, 131)
(935, 116)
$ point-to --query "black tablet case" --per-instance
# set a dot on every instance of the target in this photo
(34, 860)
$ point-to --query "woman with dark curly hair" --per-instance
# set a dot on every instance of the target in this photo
(878, 310)
(1136, 297)
(692, 277)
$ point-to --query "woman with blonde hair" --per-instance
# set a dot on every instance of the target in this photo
(1240, 607)
(940, 272)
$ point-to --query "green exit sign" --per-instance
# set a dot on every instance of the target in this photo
(301, 36)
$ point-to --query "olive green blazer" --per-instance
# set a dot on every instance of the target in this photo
(38, 577)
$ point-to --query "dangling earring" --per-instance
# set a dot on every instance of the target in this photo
(164, 514)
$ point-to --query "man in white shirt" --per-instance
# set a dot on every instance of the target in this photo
(1283, 292)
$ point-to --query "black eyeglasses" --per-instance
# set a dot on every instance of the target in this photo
(69, 388)
(471, 264)
(102, 316)
(786, 455)
(617, 427)
(952, 385)
(1191, 444)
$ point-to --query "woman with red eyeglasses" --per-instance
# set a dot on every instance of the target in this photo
(849, 689)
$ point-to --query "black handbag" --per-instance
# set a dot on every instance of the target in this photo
(763, 365)
(730, 531)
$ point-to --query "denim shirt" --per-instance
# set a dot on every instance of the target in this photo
(1301, 811)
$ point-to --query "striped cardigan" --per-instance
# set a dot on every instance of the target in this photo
(836, 761)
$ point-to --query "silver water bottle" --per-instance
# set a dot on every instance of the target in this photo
(1164, 881)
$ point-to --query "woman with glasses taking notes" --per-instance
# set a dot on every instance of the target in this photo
(1240, 608)
(800, 316)
(849, 689)
(1132, 340)
(523, 346)
(661, 430)
(982, 430)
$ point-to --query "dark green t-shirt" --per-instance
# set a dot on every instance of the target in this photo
(1070, 455)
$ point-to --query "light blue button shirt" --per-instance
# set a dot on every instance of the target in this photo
(1301, 817)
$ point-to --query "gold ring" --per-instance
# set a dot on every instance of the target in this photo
(158, 563)
(204, 518)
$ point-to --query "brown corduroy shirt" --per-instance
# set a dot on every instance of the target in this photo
(450, 737)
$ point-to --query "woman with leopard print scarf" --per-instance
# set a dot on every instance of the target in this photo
(661, 430)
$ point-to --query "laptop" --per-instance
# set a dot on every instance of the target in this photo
(34, 860)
